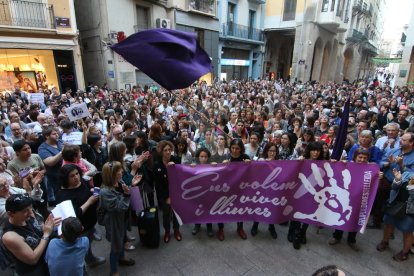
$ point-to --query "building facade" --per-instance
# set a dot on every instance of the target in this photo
(39, 46)
(101, 22)
(241, 46)
(322, 40)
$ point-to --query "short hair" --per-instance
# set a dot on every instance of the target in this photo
(66, 124)
(19, 144)
(360, 151)
(71, 229)
(109, 171)
(366, 132)
(18, 202)
(92, 139)
(70, 152)
(48, 130)
(64, 172)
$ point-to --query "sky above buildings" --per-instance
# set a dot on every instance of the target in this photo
(397, 13)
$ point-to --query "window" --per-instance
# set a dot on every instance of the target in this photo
(325, 5)
(252, 15)
(333, 5)
(231, 12)
(200, 37)
(142, 19)
(289, 12)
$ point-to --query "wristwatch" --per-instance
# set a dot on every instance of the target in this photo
(45, 238)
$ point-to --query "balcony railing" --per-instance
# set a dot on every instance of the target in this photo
(26, 14)
(241, 31)
(204, 6)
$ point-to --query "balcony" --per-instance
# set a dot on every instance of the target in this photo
(332, 22)
(361, 8)
(357, 37)
(203, 6)
(233, 30)
(260, 2)
(26, 14)
(370, 48)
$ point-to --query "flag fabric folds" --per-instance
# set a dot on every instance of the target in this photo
(340, 139)
(174, 59)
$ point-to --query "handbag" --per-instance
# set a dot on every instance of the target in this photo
(136, 200)
(396, 208)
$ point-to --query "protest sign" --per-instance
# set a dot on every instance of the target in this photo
(37, 98)
(77, 111)
(336, 195)
(73, 138)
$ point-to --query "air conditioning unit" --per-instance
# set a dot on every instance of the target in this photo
(163, 23)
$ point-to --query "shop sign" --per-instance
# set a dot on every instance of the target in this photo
(73, 138)
(111, 74)
(37, 98)
(62, 22)
(237, 62)
(77, 111)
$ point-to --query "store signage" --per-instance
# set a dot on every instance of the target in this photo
(37, 98)
(63, 22)
(77, 111)
(73, 138)
(237, 62)
(111, 74)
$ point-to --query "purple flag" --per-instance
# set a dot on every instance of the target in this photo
(174, 59)
(337, 195)
(340, 139)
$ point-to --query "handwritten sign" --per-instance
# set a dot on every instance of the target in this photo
(77, 111)
(73, 138)
(37, 98)
(336, 195)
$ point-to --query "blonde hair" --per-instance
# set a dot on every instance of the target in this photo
(109, 171)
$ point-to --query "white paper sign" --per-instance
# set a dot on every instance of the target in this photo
(73, 138)
(77, 111)
(63, 210)
(37, 98)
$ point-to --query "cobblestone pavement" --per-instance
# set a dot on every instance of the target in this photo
(260, 255)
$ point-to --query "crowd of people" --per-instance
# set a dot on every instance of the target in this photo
(131, 137)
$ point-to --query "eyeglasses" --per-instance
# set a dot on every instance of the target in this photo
(16, 129)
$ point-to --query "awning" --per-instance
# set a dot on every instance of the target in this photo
(386, 60)
(36, 43)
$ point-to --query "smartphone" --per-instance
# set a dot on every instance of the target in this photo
(25, 172)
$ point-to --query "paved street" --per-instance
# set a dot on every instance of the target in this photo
(260, 255)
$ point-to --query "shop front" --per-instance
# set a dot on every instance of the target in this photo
(34, 70)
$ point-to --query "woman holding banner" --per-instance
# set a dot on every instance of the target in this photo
(164, 159)
(360, 155)
(270, 153)
(297, 230)
(203, 156)
(236, 155)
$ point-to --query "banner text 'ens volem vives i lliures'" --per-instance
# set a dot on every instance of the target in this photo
(336, 195)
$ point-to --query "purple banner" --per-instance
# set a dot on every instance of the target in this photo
(336, 195)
